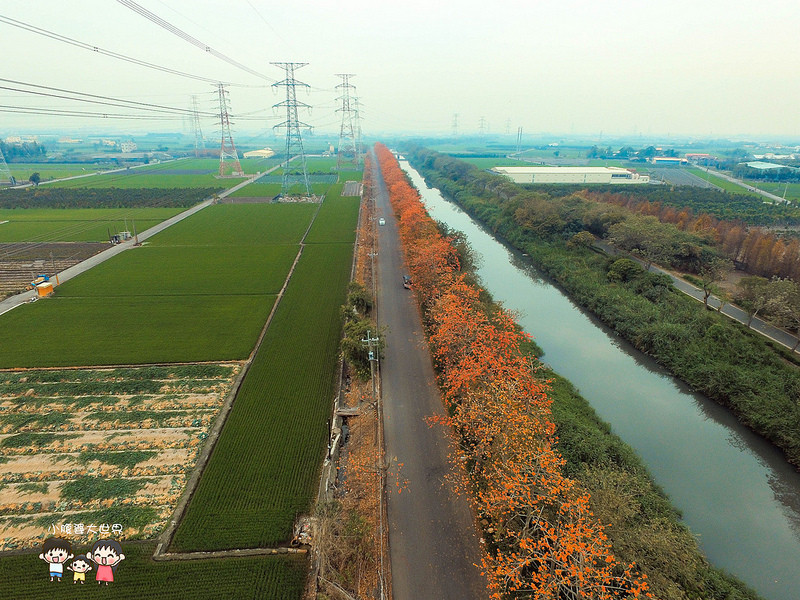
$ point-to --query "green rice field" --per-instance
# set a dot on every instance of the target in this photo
(337, 218)
(264, 469)
(200, 291)
(132, 330)
(242, 225)
(138, 577)
(50, 171)
(76, 225)
(792, 190)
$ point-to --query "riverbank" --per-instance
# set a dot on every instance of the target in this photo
(717, 358)
(644, 529)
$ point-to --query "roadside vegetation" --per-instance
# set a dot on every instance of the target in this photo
(642, 527)
(715, 356)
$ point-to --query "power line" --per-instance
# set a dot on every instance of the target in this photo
(188, 38)
(96, 49)
(96, 99)
(55, 112)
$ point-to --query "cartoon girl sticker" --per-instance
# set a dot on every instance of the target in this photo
(79, 566)
(106, 554)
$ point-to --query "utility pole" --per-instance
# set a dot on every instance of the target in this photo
(372, 344)
(198, 132)
(294, 141)
(347, 152)
(228, 157)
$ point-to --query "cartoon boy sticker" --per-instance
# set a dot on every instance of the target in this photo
(55, 552)
(106, 554)
(79, 566)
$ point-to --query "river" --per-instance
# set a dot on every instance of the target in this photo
(735, 490)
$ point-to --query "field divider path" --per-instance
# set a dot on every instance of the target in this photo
(165, 539)
(13, 301)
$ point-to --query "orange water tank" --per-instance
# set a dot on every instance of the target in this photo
(44, 289)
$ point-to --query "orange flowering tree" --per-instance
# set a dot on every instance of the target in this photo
(542, 540)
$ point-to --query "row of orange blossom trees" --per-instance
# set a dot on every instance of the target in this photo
(542, 540)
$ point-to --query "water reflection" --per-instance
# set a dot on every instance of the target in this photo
(736, 491)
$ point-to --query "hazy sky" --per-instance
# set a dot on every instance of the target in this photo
(708, 67)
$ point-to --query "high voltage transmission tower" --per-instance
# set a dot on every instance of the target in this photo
(5, 173)
(347, 152)
(297, 174)
(228, 157)
(199, 143)
(482, 126)
(455, 124)
(359, 146)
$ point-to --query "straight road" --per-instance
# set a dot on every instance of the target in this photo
(776, 334)
(433, 542)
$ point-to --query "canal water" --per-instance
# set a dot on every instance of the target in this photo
(736, 491)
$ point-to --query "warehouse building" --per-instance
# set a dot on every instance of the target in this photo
(616, 175)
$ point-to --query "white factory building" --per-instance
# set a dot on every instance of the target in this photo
(572, 175)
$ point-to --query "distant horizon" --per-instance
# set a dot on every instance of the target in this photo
(620, 69)
(534, 137)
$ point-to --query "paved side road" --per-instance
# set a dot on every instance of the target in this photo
(776, 334)
(433, 543)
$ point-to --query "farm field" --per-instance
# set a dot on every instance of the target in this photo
(792, 190)
(76, 225)
(183, 173)
(110, 446)
(288, 391)
(118, 330)
(130, 310)
(337, 218)
(726, 185)
(254, 486)
(155, 271)
(282, 577)
(50, 171)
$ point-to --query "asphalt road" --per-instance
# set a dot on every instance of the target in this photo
(433, 544)
(776, 334)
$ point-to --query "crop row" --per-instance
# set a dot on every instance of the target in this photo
(59, 199)
(264, 469)
(101, 331)
(184, 271)
(240, 225)
(337, 218)
(188, 374)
